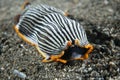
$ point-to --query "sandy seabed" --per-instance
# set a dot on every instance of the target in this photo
(101, 20)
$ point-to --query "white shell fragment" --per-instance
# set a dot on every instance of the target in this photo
(19, 74)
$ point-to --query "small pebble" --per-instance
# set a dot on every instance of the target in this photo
(118, 70)
(83, 65)
(55, 79)
(110, 10)
(22, 46)
(89, 69)
(112, 63)
(95, 74)
(106, 2)
(85, 71)
(2, 68)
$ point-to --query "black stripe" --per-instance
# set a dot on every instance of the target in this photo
(66, 29)
(44, 41)
(51, 17)
(49, 35)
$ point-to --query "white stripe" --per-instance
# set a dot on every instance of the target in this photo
(49, 37)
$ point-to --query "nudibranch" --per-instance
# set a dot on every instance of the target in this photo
(56, 37)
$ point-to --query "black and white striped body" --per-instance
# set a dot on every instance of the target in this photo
(50, 29)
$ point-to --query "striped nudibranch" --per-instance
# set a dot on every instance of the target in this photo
(55, 36)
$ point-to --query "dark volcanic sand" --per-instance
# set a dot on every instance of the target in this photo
(101, 20)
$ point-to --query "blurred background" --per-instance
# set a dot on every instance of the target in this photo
(101, 20)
